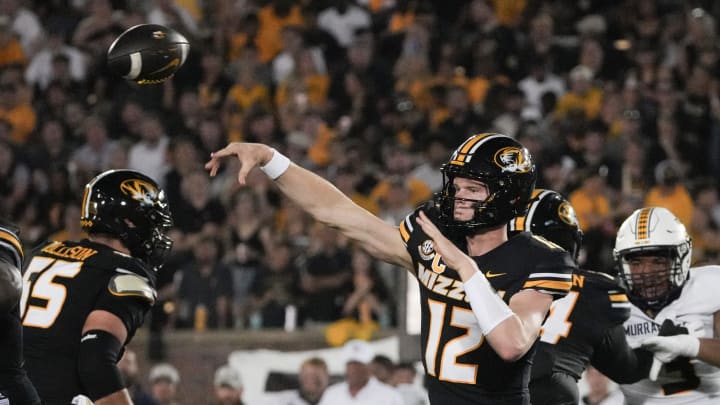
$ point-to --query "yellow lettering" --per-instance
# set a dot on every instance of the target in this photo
(578, 280)
(438, 267)
(76, 253)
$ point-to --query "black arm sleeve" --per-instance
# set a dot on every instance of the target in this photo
(618, 361)
(97, 364)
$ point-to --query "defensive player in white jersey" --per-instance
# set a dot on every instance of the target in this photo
(675, 311)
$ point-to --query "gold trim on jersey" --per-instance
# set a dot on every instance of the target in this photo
(404, 232)
(549, 284)
(78, 253)
(618, 297)
(10, 238)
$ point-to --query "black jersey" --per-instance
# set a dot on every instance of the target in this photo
(578, 323)
(585, 327)
(65, 281)
(462, 369)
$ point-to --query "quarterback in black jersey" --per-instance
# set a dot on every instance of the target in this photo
(484, 297)
(15, 387)
(586, 326)
(84, 300)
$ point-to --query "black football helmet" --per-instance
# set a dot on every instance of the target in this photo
(551, 216)
(504, 166)
(131, 207)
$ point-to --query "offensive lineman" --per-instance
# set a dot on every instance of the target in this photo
(86, 299)
(584, 327)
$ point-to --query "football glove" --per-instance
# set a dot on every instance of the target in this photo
(667, 348)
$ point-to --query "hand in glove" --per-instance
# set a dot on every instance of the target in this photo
(668, 348)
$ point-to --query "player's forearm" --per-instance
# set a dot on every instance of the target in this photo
(506, 332)
(327, 204)
(614, 357)
(710, 351)
(624, 366)
(317, 196)
(121, 397)
(511, 339)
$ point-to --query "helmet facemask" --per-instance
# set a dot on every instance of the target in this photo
(654, 276)
(447, 201)
(130, 207)
(506, 169)
(152, 245)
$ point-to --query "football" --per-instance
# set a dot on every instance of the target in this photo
(147, 53)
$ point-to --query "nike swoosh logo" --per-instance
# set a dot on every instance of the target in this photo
(171, 64)
(87, 337)
(490, 274)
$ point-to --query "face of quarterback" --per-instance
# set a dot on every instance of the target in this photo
(466, 192)
(650, 275)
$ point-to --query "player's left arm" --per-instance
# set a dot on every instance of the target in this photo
(101, 345)
(667, 348)
(614, 357)
(511, 329)
(117, 315)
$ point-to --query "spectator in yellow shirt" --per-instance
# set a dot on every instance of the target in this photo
(583, 95)
(669, 192)
(19, 114)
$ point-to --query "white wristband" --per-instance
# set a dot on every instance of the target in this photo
(276, 166)
(488, 307)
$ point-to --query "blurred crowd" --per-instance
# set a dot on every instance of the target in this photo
(618, 102)
(376, 375)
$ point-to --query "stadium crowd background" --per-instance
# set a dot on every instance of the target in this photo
(618, 102)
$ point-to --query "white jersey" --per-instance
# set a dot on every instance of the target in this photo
(694, 310)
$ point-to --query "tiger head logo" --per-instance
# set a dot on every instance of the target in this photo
(567, 214)
(140, 191)
(513, 159)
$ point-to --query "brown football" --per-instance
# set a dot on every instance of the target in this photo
(147, 53)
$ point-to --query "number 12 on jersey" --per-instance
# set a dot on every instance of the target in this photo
(441, 360)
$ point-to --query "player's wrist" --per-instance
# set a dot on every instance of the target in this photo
(276, 165)
(489, 309)
(691, 346)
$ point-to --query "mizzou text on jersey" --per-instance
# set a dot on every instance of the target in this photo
(462, 369)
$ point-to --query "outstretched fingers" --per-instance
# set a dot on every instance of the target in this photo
(249, 155)
(214, 163)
